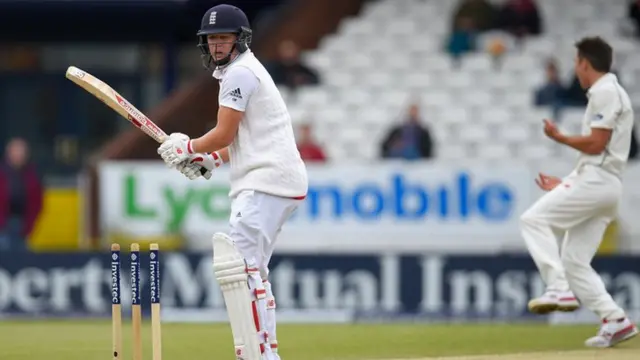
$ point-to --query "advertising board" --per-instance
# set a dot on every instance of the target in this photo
(423, 287)
(354, 208)
(388, 207)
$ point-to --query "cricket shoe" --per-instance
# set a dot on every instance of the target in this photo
(552, 301)
(612, 332)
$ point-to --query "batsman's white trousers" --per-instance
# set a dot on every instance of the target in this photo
(256, 219)
(580, 208)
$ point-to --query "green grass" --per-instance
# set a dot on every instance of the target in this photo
(86, 340)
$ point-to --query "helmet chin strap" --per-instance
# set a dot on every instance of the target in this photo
(208, 60)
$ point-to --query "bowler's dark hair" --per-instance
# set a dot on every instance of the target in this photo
(597, 52)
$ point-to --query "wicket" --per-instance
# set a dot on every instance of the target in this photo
(136, 306)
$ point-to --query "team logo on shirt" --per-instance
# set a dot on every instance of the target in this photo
(236, 94)
(598, 117)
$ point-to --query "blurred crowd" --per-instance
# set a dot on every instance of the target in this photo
(514, 20)
(409, 139)
(519, 18)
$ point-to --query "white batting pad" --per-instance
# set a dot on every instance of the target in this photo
(230, 271)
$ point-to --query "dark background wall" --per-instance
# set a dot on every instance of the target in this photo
(111, 21)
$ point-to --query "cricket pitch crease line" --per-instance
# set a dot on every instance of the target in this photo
(597, 354)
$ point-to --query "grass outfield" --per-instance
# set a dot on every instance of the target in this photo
(86, 340)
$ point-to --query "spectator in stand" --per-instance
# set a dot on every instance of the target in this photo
(288, 70)
(20, 197)
(551, 93)
(634, 14)
(462, 39)
(521, 18)
(409, 140)
(309, 150)
(481, 13)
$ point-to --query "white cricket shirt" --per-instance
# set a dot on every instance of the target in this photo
(609, 107)
(263, 156)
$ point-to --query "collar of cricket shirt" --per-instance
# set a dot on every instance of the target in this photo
(603, 79)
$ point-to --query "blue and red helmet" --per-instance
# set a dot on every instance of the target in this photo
(222, 19)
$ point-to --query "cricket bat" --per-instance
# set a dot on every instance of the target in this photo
(117, 102)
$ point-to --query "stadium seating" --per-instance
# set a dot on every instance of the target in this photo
(391, 54)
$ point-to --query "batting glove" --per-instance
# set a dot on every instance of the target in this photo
(200, 165)
(175, 149)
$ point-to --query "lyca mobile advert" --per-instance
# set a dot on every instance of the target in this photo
(420, 208)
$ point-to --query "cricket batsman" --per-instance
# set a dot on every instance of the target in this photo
(268, 177)
(581, 205)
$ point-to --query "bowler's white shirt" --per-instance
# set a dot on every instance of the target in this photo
(263, 156)
(609, 107)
